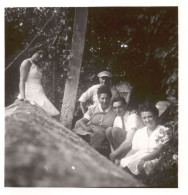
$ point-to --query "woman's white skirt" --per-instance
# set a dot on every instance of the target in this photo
(35, 92)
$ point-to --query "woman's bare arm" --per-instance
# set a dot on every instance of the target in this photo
(154, 154)
(24, 70)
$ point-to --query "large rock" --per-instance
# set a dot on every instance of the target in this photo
(41, 152)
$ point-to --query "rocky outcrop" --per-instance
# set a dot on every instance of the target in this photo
(41, 152)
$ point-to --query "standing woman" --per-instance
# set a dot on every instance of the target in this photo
(30, 81)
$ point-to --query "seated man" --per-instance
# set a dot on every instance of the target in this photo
(125, 125)
(91, 93)
(99, 117)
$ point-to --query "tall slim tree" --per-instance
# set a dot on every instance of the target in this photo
(75, 62)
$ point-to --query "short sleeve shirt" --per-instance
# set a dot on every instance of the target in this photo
(98, 117)
(141, 141)
(91, 94)
(130, 120)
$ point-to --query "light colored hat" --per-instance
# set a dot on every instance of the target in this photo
(104, 74)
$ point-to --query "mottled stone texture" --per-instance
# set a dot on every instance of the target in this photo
(40, 152)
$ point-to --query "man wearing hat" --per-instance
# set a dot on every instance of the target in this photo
(91, 93)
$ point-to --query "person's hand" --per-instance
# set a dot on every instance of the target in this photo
(19, 99)
(140, 165)
(31, 102)
(113, 156)
(89, 129)
(123, 95)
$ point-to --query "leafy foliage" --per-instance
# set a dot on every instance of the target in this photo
(22, 25)
(138, 45)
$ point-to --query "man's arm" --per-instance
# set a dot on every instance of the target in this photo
(83, 123)
(131, 126)
(83, 107)
(85, 97)
(122, 150)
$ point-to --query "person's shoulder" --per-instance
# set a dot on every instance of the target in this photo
(132, 115)
(117, 117)
(141, 130)
(123, 87)
(94, 87)
(26, 63)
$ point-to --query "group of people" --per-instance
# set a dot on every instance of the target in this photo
(135, 138)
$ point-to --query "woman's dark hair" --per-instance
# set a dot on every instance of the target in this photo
(38, 47)
(148, 107)
(104, 89)
(120, 99)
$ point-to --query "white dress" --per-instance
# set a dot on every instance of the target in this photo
(144, 145)
(34, 91)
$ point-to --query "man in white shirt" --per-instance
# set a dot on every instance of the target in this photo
(91, 93)
(125, 125)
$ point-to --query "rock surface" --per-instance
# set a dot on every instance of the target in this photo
(41, 152)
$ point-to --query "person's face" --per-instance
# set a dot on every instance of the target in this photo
(104, 100)
(105, 81)
(39, 56)
(119, 108)
(149, 119)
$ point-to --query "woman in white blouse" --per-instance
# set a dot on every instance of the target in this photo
(147, 143)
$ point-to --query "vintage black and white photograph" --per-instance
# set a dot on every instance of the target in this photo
(91, 97)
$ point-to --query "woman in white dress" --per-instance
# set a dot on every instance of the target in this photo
(30, 82)
(147, 143)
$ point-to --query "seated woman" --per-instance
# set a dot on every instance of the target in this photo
(30, 81)
(147, 143)
(99, 117)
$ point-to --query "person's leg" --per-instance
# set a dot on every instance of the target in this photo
(98, 136)
(115, 136)
(108, 133)
(119, 136)
(75, 130)
(77, 125)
